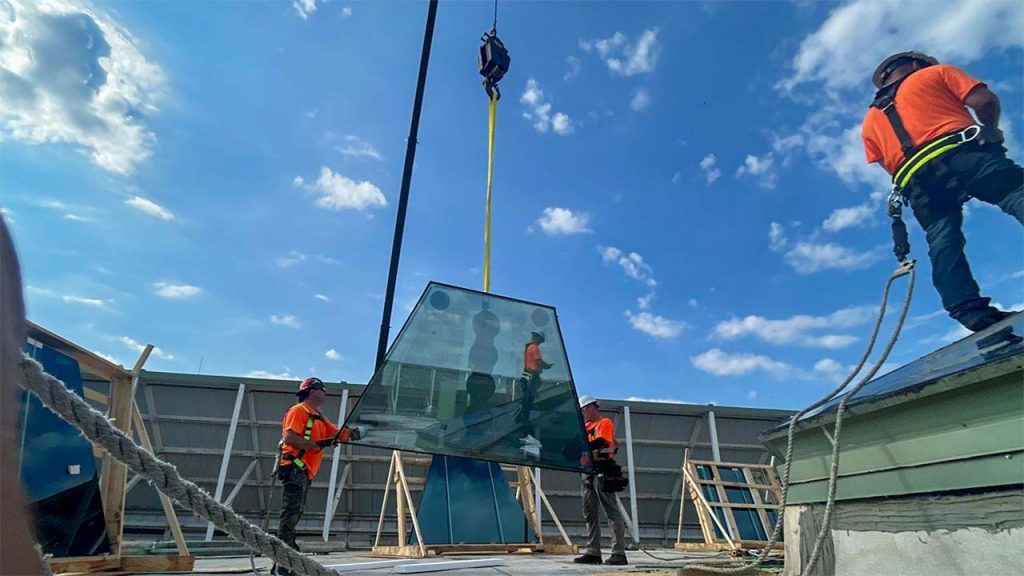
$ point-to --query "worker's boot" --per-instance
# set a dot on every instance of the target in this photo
(587, 559)
(616, 560)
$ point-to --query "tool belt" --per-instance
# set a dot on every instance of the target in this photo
(611, 476)
(929, 152)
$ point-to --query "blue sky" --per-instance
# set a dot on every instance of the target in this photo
(683, 181)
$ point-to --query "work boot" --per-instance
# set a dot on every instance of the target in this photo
(616, 560)
(587, 559)
(983, 321)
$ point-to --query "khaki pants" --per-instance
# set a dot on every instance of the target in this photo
(594, 497)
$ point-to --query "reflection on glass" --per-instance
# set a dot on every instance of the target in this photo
(480, 376)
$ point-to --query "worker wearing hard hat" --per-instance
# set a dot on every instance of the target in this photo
(919, 130)
(305, 432)
(601, 436)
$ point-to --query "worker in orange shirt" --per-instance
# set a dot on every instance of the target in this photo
(601, 436)
(533, 366)
(919, 130)
(305, 432)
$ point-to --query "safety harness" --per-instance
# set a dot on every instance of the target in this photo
(296, 459)
(914, 158)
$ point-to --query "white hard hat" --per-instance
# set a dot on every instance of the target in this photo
(584, 400)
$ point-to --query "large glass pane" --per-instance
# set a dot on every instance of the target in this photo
(478, 376)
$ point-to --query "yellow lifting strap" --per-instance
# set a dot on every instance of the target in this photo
(493, 114)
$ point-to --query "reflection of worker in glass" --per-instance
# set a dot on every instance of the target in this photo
(533, 366)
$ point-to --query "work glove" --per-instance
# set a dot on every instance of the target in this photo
(325, 443)
(992, 135)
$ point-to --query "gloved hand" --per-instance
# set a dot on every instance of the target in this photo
(992, 135)
(325, 443)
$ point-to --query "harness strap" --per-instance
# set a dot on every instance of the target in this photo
(308, 433)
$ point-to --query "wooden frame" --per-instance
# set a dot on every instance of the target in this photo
(123, 410)
(526, 489)
(760, 481)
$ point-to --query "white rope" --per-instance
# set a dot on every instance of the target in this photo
(162, 475)
(834, 473)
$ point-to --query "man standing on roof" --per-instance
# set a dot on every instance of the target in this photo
(601, 436)
(533, 366)
(919, 130)
(304, 435)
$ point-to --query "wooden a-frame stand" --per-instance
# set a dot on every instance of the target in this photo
(765, 492)
(526, 489)
(124, 412)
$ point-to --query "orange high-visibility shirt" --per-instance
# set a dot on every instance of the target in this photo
(603, 428)
(532, 358)
(295, 420)
(930, 103)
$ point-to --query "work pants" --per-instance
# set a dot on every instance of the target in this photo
(937, 194)
(295, 483)
(593, 498)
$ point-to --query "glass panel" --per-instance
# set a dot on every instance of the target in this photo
(476, 493)
(455, 383)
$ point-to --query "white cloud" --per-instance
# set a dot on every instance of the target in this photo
(107, 357)
(574, 68)
(564, 222)
(656, 326)
(752, 395)
(285, 320)
(707, 164)
(337, 192)
(797, 329)
(842, 53)
(848, 217)
(286, 375)
(157, 352)
(632, 264)
(176, 291)
(692, 302)
(720, 363)
(808, 257)
(304, 7)
(75, 218)
(298, 181)
(346, 11)
(292, 258)
(7, 214)
(332, 354)
(83, 300)
(321, 297)
(762, 167)
(70, 74)
(644, 303)
(562, 124)
(677, 177)
(356, 147)
(538, 111)
(777, 237)
(662, 400)
(623, 58)
(641, 99)
(149, 207)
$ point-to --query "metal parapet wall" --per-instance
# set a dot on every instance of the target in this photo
(189, 416)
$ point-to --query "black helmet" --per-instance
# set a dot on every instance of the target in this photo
(895, 61)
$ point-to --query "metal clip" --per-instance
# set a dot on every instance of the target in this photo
(904, 268)
(969, 133)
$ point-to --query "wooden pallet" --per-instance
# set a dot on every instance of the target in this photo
(760, 482)
(121, 564)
